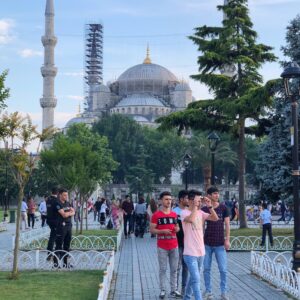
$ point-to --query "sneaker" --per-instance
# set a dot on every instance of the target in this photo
(208, 296)
(175, 294)
(162, 294)
(224, 297)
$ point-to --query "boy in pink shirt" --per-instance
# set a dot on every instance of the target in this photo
(193, 219)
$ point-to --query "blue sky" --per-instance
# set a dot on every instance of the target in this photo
(128, 26)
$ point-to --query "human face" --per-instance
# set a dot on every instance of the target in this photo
(196, 202)
(63, 196)
(184, 201)
(166, 201)
(215, 196)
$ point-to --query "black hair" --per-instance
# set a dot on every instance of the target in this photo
(212, 189)
(182, 194)
(54, 190)
(165, 193)
(264, 205)
(193, 193)
(62, 190)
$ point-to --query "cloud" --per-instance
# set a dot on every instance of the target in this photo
(270, 2)
(75, 97)
(26, 53)
(6, 26)
(73, 74)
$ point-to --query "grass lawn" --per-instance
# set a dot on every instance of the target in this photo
(98, 232)
(75, 285)
(258, 232)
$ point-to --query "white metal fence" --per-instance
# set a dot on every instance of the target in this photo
(276, 268)
(249, 243)
(39, 260)
(256, 224)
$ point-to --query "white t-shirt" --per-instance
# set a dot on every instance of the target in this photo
(193, 233)
(103, 208)
(24, 207)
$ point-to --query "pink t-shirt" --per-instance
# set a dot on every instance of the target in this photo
(193, 233)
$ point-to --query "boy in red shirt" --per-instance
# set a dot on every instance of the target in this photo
(164, 225)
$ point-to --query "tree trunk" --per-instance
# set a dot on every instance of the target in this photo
(81, 215)
(241, 156)
(86, 214)
(207, 176)
(14, 274)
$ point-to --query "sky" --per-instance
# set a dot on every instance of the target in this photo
(129, 25)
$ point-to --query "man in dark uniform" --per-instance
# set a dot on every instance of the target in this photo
(64, 227)
(52, 218)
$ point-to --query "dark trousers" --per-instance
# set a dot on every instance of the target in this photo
(282, 216)
(102, 218)
(63, 240)
(127, 221)
(267, 228)
(30, 217)
(140, 225)
(52, 236)
(43, 220)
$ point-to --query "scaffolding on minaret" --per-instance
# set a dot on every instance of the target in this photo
(93, 60)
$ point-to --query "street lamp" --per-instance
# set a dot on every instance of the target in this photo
(186, 162)
(291, 76)
(213, 140)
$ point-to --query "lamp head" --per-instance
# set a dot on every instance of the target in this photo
(213, 140)
(291, 76)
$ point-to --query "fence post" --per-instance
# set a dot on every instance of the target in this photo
(37, 256)
(267, 243)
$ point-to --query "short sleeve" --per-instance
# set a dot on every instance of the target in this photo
(226, 213)
(204, 214)
(154, 218)
(184, 213)
(58, 206)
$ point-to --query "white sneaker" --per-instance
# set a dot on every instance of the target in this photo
(162, 294)
(208, 296)
(224, 297)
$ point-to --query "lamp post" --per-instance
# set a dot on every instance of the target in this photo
(213, 140)
(291, 77)
(186, 162)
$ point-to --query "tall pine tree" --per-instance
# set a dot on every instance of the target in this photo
(275, 155)
(229, 60)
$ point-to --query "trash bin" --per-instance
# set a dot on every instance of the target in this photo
(12, 216)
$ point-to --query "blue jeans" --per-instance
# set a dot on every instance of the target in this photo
(221, 258)
(194, 265)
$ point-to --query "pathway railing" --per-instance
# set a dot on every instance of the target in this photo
(104, 287)
(32, 235)
(276, 268)
(254, 224)
(40, 260)
(249, 243)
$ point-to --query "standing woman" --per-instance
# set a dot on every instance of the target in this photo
(152, 208)
(31, 211)
(115, 214)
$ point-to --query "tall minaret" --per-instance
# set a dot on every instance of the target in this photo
(48, 70)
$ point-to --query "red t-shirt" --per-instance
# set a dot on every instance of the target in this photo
(165, 221)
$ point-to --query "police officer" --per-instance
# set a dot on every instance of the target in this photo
(64, 227)
(52, 218)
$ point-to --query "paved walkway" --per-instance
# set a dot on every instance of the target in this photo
(136, 275)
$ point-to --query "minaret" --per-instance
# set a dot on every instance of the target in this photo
(48, 70)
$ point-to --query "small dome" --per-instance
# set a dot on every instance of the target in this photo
(78, 120)
(100, 88)
(140, 100)
(182, 86)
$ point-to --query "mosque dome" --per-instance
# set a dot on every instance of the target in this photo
(101, 88)
(182, 86)
(80, 119)
(146, 78)
(140, 100)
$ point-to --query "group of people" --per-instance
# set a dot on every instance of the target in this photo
(188, 245)
(28, 209)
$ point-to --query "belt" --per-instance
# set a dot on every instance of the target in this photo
(166, 237)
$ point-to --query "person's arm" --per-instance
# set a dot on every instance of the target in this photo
(66, 214)
(227, 233)
(154, 230)
(192, 217)
(213, 215)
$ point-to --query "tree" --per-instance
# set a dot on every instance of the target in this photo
(4, 92)
(79, 160)
(275, 155)
(229, 62)
(21, 163)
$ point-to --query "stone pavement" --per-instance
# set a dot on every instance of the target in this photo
(136, 275)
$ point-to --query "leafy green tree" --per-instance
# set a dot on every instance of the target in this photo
(4, 92)
(21, 163)
(140, 178)
(124, 136)
(229, 63)
(80, 160)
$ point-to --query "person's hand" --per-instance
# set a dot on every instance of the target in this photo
(207, 201)
(167, 231)
(227, 244)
